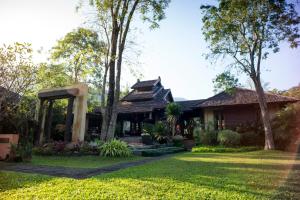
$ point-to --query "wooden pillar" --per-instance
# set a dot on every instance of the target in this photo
(79, 118)
(48, 122)
(68, 132)
(40, 120)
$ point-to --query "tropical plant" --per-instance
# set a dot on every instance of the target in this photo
(115, 148)
(173, 111)
(160, 132)
(247, 31)
(229, 138)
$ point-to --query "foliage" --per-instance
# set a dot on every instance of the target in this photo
(251, 175)
(173, 111)
(160, 132)
(229, 138)
(178, 140)
(80, 52)
(64, 149)
(115, 148)
(286, 127)
(293, 92)
(17, 76)
(252, 138)
(225, 82)
(206, 137)
(222, 149)
(148, 128)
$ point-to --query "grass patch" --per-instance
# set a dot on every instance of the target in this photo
(251, 175)
(222, 149)
(80, 161)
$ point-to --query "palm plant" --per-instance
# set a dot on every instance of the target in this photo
(173, 111)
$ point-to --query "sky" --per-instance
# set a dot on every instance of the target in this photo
(174, 51)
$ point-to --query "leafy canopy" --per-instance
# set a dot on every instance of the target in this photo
(81, 52)
(247, 31)
(225, 82)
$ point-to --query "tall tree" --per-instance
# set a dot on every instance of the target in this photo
(121, 13)
(81, 52)
(247, 31)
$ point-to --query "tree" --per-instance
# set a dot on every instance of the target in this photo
(81, 52)
(17, 76)
(120, 14)
(247, 31)
(225, 82)
(173, 111)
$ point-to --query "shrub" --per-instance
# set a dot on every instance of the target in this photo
(178, 140)
(229, 138)
(221, 149)
(206, 137)
(115, 148)
(160, 132)
(252, 138)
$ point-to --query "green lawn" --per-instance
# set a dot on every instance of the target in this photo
(252, 175)
(80, 161)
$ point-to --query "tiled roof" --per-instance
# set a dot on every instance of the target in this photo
(142, 84)
(141, 95)
(189, 104)
(141, 106)
(242, 96)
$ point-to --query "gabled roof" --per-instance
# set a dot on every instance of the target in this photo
(242, 96)
(152, 96)
(144, 84)
(189, 104)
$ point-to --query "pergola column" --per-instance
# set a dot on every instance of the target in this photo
(68, 131)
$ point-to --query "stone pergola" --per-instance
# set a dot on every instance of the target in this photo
(77, 99)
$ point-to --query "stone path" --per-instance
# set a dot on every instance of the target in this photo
(78, 173)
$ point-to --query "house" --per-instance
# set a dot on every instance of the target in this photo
(147, 101)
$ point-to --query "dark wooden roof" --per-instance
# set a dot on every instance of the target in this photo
(242, 96)
(58, 93)
(145, 84)
(189, 105)
(141, 106)
(146, 100)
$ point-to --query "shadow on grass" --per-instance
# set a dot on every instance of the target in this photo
(13, 180)
(254, 179)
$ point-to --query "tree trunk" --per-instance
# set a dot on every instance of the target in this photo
(111, 86)
(173, 128)
(269, 142)
(104, 87)
(112, 125)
